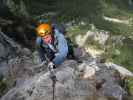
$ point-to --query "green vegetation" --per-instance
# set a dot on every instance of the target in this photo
(3, 85)
(6, 83)
(130, 85)
(125, 58)
(117, 8)
(92, 11)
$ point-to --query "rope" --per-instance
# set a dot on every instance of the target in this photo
(54, 82)
(53, 78)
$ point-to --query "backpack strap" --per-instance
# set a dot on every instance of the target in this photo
(52, 47)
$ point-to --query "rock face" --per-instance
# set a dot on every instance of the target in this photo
(6, 51)
(2, 49)
(99, 36)
(13, 61)
(73, 83)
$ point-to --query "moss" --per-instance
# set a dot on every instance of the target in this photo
(6, 83)
(125, 57)
(130, 85)
(3, 85)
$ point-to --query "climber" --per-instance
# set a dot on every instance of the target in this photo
(51, 44)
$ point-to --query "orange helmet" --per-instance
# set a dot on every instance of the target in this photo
(43, 29)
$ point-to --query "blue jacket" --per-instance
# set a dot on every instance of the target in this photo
(61, 47)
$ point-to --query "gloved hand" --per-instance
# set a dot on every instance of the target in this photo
(51, 66)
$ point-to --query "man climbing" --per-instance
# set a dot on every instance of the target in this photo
(51, 44)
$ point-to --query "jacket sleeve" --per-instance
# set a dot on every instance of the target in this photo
(62, 48)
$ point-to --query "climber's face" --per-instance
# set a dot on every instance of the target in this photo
(47, 38)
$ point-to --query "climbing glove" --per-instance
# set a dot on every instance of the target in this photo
(51, 66)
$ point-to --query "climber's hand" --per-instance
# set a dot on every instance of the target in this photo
(51, 66)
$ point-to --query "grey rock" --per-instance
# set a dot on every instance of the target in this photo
(2, 50)
(100, 36)
(26, 52)
(69, 84)
(4, 68)
(113, 90)
(117, 39)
